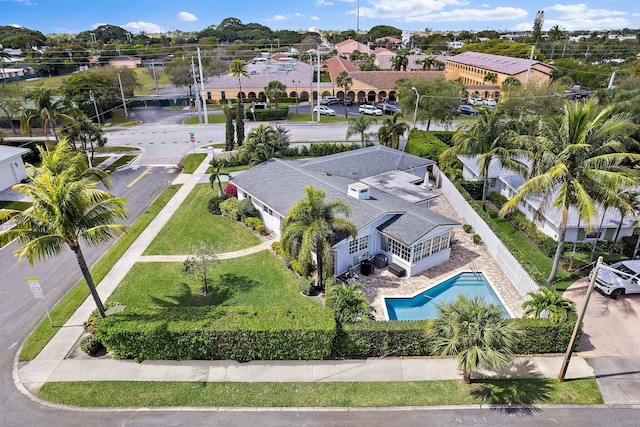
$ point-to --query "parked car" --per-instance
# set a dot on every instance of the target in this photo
(467, 110)
(325, 111)
(347, 101)
(389, 109)
(329, 100)
(370, 110)
(475, 101)
(490, 102)
(618, 279)
(362, 100)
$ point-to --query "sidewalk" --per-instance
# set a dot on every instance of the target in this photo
(51, 364)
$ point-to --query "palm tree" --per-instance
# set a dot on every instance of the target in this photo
(44, 107)
(359, 126)
(66, 209)
(217, 174)
(627, 202)
(274, 90)
(489, 138)
(474, 331)
(509, 84)
(400, 62)
(238, 69)
(545, 303)
(582, 160)
(310, 227)
(344, 81)
(490, 78)
(349, 303)
(392, 129)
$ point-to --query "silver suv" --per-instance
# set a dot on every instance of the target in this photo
(328, 100)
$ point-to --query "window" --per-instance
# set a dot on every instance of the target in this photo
(396, 248)
(358, 245)
(267, 210)
(430, 246)
(493, 182)
(595, 234)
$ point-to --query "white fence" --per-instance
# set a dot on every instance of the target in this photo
(507, 262)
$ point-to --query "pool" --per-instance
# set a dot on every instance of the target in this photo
(423, 305)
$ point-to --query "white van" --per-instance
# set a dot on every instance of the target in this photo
(618, 279)
(329, 100)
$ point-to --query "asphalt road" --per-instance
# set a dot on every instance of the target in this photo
(19, 313)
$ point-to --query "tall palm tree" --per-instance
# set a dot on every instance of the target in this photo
(490, 78)
(474, 331)
(582, 158)
(310, 228)
(392, 129)
(359, 126)
(547, 303)
(627, 203)
(43, 106)
(66, 209)
(344, 81)
(489, 138)
(238, 69)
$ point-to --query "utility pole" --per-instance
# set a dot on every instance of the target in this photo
(526, 81)
(124, 101)
(204, 101)
(318, 82)
(195, 83)
(93, 99)
(155, 79)
(311, 86)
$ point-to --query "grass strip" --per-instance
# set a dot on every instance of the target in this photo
(213, 119)
(328, 394)
(191, 162)
(72, 300)
(121, 161)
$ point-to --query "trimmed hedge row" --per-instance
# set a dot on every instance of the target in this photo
(278, 333)
(268, 114)
(224, 333)
(425, 144)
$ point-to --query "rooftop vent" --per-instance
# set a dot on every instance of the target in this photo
(358, 190)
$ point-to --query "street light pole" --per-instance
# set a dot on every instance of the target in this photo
(415, 111)
(124, 101)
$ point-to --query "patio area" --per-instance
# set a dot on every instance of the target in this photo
(465, 256)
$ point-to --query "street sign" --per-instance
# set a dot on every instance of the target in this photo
(192, 138)
(35, 287)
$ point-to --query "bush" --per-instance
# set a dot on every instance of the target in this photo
(543, 336)
(425, 144)
(213, 205)
(445, 136)
(229, 208)
(305, 284)
(467, 228)
(477, 239)
(474, 188)
(90, 345)
(268, 114)
(223, 333)
(246, 209)
(256, 224)
(231, 190)
(498, 199)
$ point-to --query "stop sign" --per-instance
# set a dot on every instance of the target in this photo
(192, 138)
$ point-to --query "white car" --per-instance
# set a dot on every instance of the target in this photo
(490, 102)
(326, 111)
(371, 110)
(618, 279)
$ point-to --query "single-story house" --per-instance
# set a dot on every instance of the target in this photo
(11, 166)
(346, 47)
(507, 182)
(385, 190)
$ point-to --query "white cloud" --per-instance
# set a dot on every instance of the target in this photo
(147, 27)
(279, 18)
(429, 11)
(15, 25)
(324, 3)
(315, 18)
(23, 2)
(284, 17)
(186, 16)
(572, 17)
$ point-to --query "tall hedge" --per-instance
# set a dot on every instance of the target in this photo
(382, 339)
(223, 333)
(424, 144)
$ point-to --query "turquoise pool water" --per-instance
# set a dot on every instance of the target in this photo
(423, 305)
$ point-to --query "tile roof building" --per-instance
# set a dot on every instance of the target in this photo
(385, 191)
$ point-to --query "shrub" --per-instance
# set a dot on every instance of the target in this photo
(268, 114)
(90, 345)
(213, 205)
(477, 239)
(474, 188)
(231, 190)
(445, 136)
(467, 228)
(229, 208)
(246, 209)
(425, 144)
(305, 284)
(382, 339)
(543, 336)
(256, 224)
(498, 199)
(223, 333)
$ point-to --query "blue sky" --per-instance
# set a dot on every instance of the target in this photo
(73, 16)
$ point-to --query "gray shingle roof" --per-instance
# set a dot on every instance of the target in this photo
(280, 183)
(8, 152)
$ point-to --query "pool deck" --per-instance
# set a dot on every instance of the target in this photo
(465, 256)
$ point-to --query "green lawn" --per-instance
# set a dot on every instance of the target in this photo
(213, 119)
(325, 394)
(72, 300)
(192, 223)
(120, 162)
(256, 279)
(192, 161)
(299, 117)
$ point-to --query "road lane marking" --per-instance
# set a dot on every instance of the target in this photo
(135, 181)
